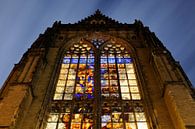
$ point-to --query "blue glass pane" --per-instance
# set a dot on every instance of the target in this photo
(74, 60)
(78, 96)
(82, 85)
(90, 66)
(66, 60)
(103, 61)
(82, 60)
(90, 79)
(128, 60)
(103, 71)
(90, 96)
(104, 83)
(91, 51)
(90, 61)
(120, 61)
(111, 60)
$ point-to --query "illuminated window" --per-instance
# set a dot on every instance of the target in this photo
(113, 100)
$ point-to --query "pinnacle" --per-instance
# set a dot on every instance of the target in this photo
(98, 12)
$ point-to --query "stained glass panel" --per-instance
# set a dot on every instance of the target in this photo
(119, 83)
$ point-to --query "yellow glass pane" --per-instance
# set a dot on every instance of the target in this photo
(76, 118)
(134, 89)
(73, 66)
(63, 126)
(118, 126)
(123, 82)
(69, 89)
(65, 66)
(113, 76)
(136, 96)
(107, 125)
(88, 48)
(105, 96)
(68, 97)
(63, 71)
(79, 89)
(57, 97)
(67, 56)
(59, 89)
(83, 56)
(62, 76)
(112, 66)
(51, 125)
(111, 55)
(70, 83)
(130, 126)
(127, 56)
(114, 96)
(124, 89)
(83, 49)
(75, 126)
(118, 45)
(65, 117)
(126, 96)
(53, 117)
(129, 66)
(72, 71)
(122, 76)
(117, 117)
(121, 70)
(131, 76)
(71, 76)
(82, 66)
(132, 82)
(113, 83)
(61, 82)
(129, 117)
(75, 55)
(119, 56)
(76, 45)
(117, 50)
(84, 45)
(87, 126)
(109, 45)
(122, 48)
(112, 71)
(140, 116)
(142, 125)
(130, 70)
(121, 66)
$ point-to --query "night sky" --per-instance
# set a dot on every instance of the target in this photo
(21, 22)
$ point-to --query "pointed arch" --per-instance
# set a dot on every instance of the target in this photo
(97, 86)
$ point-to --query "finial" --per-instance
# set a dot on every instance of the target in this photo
(97, 11)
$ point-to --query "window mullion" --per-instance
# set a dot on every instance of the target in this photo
(97, 84)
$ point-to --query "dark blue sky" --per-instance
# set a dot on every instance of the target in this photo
(21, 21)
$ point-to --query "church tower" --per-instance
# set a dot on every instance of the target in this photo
(97, 74)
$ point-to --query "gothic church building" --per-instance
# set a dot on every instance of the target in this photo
(97, 74)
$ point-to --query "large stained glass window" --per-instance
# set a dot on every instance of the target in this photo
(112, 103)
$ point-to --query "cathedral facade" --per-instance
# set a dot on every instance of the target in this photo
(97, 74)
